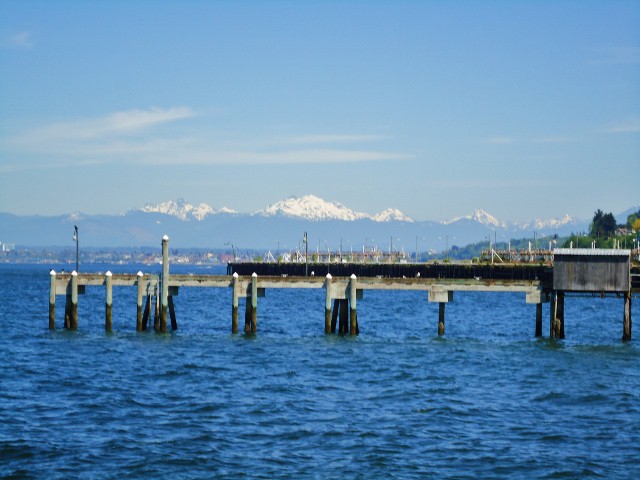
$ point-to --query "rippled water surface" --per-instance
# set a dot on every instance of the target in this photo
(487, 400)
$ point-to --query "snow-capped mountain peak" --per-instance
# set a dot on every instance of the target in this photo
(391, 215)
(181, 209)
(539, 224)
(310, 207)
(479, 216)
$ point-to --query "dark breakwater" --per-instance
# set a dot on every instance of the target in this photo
(485, 401)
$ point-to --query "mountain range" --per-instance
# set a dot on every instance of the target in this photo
(329, 225)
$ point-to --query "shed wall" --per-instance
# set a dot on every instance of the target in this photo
(591, 273)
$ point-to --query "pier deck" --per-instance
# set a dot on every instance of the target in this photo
(580, 273)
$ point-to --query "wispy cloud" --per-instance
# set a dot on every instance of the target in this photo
(114, 124)
(529, 140)
(21, 41)
(629, 126)
(280, 157)
(132, 137)
(500, 140)
(331, 138)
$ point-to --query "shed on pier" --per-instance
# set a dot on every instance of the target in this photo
(591, 270)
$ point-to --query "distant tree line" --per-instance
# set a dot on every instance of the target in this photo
(604, 224)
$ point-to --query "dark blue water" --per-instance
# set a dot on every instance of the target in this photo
(488, 400)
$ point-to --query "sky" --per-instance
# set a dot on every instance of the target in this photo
(526, 109)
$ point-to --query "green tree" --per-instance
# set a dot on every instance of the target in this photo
(632, 219)
(603, 225)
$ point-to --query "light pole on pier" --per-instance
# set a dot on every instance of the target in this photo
(306, 255)
(233, 249)
(75, 239)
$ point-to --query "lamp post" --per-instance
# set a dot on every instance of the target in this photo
(75, 239)
(306, 255)
(233, 249)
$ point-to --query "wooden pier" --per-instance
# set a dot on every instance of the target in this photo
(574, 272)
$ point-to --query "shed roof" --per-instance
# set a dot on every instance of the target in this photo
(596, 252)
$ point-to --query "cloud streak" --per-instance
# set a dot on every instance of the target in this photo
(630, 126)
(132, 137)
(114, 124)
(532, 140)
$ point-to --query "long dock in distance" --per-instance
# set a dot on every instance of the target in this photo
(573, 271)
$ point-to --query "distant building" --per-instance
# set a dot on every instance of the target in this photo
(8, 247)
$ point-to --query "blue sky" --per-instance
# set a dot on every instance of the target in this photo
(524, 109)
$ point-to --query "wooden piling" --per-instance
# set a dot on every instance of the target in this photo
(146, 314)
(109, 301)
(234, 303)
(327, 305)
(626, 323)
(343, 327)
(67, 308)
(441, 307)
(254, 302)
(334, 315)
(353, 315)
(247, 316)
(561, 314)
(556, 329)
(52, 301)
(139, 313)
(156, 306)
(552, 315)
(538, 319)
(164, 305)
(172, 313)
(73, 324)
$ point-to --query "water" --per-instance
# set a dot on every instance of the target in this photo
(486, 401)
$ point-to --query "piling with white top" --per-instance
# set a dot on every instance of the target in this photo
(164, 303)
(353, 314)
(73, 314)
(327, 305)
(139, 313)
(52, 301)
(234, 303)
(254, 302)
(109, 302)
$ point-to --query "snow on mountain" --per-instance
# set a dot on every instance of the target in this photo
(392, 215)
(228, 210)
(539, 224)
(479, 216)
(311, 207)
(484, 218)
(181, 209)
